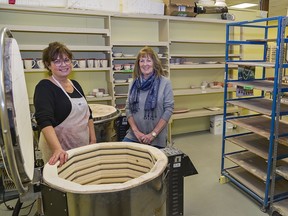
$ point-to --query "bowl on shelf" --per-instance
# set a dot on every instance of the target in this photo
(160, 55)
(99, 94)
(118, 67)
(127, 67)
(117, 54)
(189, 63)
(120, 81)
(120, 106)
(90, 96)
(128, 55)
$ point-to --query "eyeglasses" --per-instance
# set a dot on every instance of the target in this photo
(59, 62)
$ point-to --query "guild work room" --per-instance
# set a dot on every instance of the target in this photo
(144, 108)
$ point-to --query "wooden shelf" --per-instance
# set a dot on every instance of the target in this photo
(47, 29)
(33, 47)
(201, 113)
(121, 84)
(74, 69)
(264, 85)
(255, 184)
(198, 41)
(139, 16)
(196, 66)
(259, 64)
(198, 55)
(195, 19)
(124, 58)
(120, 96)
(262, 40)
(283, 170)
(203, 55)
(260, 105)
(281, 207)
(140, 43)
(54, 10)
(261, 125)
(251, 163)
(256, 144)
(107, 69)
(122, 71)
(197, 91)
(109, 98)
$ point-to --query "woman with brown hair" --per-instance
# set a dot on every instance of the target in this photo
(61, 110)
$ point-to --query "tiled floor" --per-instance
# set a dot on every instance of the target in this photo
(204, 195)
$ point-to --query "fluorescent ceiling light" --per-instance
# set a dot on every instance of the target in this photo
(243, 5)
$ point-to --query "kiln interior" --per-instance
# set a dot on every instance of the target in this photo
(107, 165)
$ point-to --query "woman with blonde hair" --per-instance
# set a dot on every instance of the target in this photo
(150, 101)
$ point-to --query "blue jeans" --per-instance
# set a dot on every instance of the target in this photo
(128, 140)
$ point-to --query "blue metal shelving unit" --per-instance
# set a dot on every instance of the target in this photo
(260, 133)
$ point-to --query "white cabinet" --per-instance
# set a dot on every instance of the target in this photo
(94, 35)
(197, 57)
(87, 35)
(128, 35)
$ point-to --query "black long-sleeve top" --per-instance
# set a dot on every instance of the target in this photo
(52, 106)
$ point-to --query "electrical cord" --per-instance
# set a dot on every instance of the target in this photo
(11, 208)
(31, 207)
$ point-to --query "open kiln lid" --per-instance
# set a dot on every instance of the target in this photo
(16, 138)
(101, 111)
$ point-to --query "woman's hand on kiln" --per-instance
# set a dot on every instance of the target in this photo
(60, 155)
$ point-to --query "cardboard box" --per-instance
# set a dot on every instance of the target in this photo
(190, 3)
(183, 8)
(184, 11)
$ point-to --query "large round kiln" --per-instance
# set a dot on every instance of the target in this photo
(104, 117)
(107, 179)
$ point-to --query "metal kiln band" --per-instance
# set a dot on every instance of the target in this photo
(7, 150)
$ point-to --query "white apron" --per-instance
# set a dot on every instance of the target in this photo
(73, 131)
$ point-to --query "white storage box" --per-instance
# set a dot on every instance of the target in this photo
(142, 7)
(216, 125)
(99, 5)
(40, 3)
